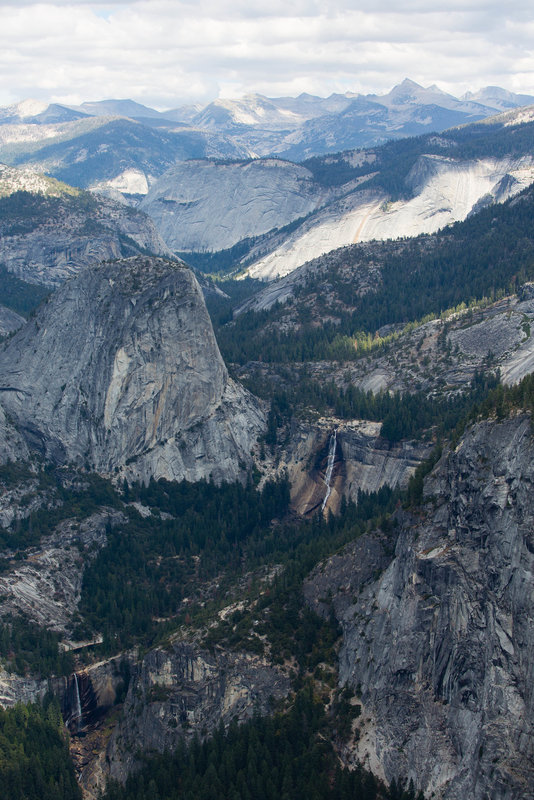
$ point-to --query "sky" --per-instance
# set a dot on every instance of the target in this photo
(167, 53)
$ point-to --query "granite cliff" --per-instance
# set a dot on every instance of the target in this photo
(120, 372)
(50, 231)
(173, 693)
(438, 647)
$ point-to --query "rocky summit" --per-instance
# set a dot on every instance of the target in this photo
(120, 372)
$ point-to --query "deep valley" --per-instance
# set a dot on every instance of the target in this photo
(266, 455)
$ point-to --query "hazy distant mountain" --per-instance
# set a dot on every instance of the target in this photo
(408, 110)
(499, 99)
(304, 126)
(118, 108)
(122, 145)
(34, 112)
(116, 153)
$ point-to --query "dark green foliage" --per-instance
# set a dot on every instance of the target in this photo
(414, 495)
(220, 533)
(220, 261)
(13, 472)
(280, 614)
(285, 757)
(279, 412)
(23, 212)
(495, 140)
(221, 307)
(234, 259)
(409, 415)
(344, 712)
(66, 503)
(500, 402)
(403, 416)
(26, 647)
(403, 790)
(149, 564)
(335, 169)
(18, 295)
(34, 757)
(394, 160)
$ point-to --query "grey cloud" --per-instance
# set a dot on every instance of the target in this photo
(164, 51)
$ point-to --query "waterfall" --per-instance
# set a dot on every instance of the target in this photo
(330, 467)
(78, 704)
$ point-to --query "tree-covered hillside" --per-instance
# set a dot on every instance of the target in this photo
(492, 252)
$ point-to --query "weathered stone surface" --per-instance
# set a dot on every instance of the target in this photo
(445, 191)
(10, 321)
(17, 689)
(120, 371)
(363, 460)
(71, 238)
(440, 646)
(12, 444)
(174, 694)
(46, 585)
(204, 205)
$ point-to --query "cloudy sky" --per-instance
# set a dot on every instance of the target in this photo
(168, 52)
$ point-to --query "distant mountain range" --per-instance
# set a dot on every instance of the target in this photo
(221, 183)
(269, 216)
(123, 145)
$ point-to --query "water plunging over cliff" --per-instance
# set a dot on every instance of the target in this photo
(78, 715)
(330, 467)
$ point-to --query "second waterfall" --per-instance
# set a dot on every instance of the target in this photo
(330, 467)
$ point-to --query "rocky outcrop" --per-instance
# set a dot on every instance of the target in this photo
(120, 372)
(363, 460)
(46, 586)
(174, 694)
(10, 321)
(205, 205)
(439, 647)
(445, 191)
(17, 689)
(53, 238)
(12, 444)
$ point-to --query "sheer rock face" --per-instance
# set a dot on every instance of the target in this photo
(363, 460)
(239, 199)
(440, 648)
(121, 371)
(184, 690)
(12, 445)
(71, 239)
(174, 694)
(46, 586)
(10, 321)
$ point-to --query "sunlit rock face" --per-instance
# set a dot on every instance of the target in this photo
(204, 205)
(445, 191)
(120, 371)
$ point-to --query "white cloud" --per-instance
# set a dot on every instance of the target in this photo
(164, 52)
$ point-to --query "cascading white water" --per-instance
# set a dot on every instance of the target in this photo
(78, 704)
(330, 467)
